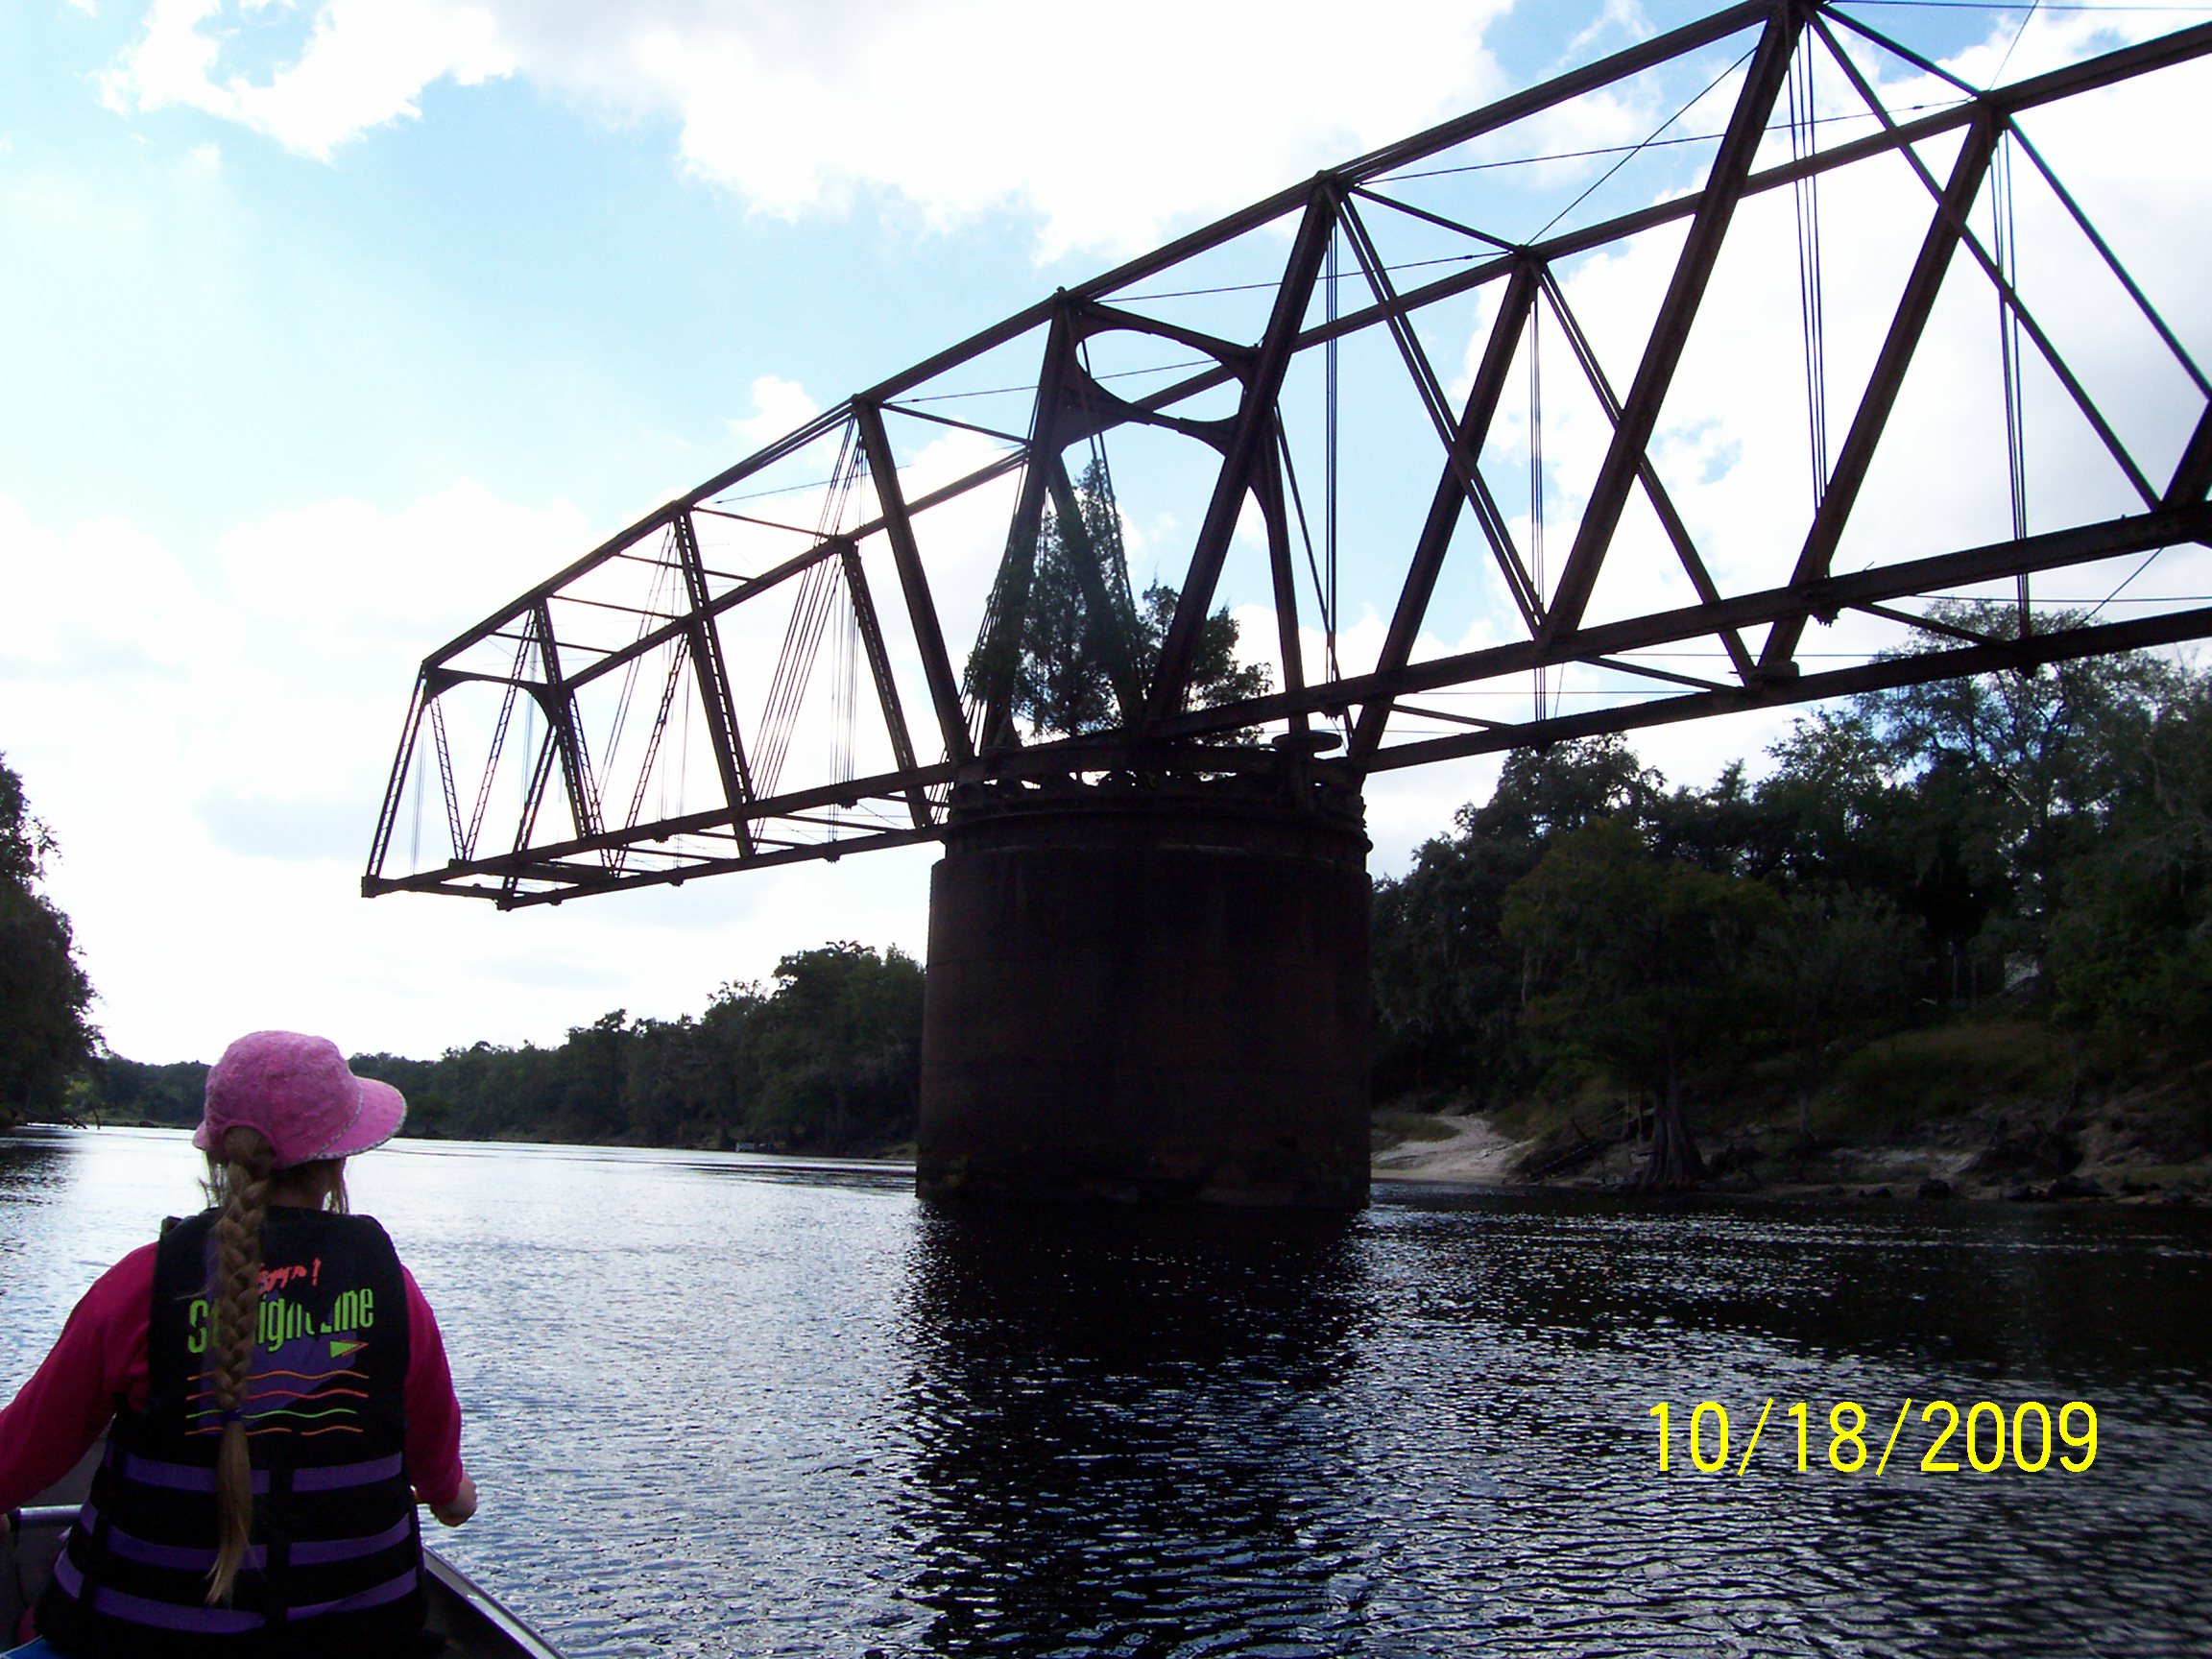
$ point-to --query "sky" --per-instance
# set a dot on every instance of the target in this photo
(329, 325)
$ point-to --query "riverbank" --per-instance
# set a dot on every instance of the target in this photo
(1994, 1108)
(1955, 1162)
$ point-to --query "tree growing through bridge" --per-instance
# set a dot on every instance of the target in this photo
(1081, 630)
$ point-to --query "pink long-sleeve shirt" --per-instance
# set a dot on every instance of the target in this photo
(100, 1357)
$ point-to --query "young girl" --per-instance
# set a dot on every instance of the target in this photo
(275, 1394)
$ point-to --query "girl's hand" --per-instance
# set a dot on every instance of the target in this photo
(460, 1507)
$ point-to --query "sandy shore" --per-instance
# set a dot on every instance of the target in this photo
(1476, 1154)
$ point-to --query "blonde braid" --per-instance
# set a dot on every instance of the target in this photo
(242, 1183)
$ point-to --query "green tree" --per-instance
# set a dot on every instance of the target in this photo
(589, 1104)
(1642, 965)
(836, 1049)
(1841, 960)
(1086, 652)
(1447, 985)
(2007, 776)
(2131, 938)
(1216, 677)
(46, 1034)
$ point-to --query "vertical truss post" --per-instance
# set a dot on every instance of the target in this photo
(1009, 608)
(1255, 426)
(560, 704)
(1888, 378)
(880, 670)
(715, 701)
(1274, 510)
(913, 583)
(1444, 506)
(1671, 333)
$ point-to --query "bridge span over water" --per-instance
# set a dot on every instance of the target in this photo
(1493, 436)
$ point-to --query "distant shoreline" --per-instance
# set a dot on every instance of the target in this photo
(1471, 1151)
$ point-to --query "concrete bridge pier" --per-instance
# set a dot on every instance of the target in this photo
(1149, 991)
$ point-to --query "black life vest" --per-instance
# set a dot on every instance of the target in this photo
(335, 1566)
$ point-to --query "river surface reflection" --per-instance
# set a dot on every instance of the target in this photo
(725, 1406)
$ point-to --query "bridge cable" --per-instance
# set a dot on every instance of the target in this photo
(1324, 596)
(1536, 482)
(2027, 17)
(1329, 496)
(1115, 558)
(1642, 145)
(819, 590)
(649, 617)
(468, 848)
(2009, 356)
(1804, 142)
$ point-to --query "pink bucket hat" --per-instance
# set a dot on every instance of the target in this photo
(297, 1092)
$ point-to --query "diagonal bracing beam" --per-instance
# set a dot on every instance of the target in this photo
(718, 707)
(1247, 447)
(1906, 327)
(1670, 332)
(1436, 539)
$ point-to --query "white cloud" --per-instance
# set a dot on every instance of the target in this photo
(1626, 17)
(1109, 130)
(341, 573)
(778, 406)
(104, 602)
(363, 64)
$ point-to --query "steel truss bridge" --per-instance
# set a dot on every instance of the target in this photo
(759, 671)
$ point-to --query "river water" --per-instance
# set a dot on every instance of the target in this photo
(733, 1406)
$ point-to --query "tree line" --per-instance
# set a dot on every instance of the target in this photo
(826, 1058)
(2039, 841)
(46, 1031)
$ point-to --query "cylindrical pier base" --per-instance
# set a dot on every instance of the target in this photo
(1148, 994)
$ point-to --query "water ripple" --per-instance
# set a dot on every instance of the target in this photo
(722, 1406)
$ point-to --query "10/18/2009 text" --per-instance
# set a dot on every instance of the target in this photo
(1986, 1432)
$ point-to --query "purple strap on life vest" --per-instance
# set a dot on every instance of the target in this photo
(313, 1554)
(376, 1595)
(321, 1550)
(331, 1476)
(173, 1477)
(159, 1614)
(219, 1620)
(189, 1478)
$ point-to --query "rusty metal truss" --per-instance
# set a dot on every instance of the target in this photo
(757, 672)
